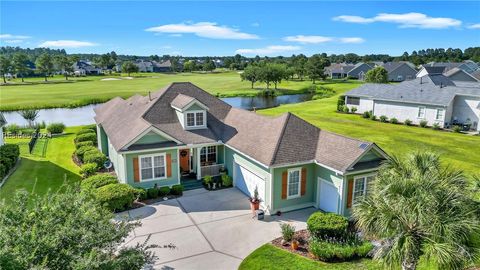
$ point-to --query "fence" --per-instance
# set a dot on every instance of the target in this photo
(33, 140)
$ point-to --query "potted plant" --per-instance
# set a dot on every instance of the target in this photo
(208, 180)
(294, 244)
(255, 200)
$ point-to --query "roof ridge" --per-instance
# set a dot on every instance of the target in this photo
(280, 138)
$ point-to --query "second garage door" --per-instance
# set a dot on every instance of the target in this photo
(328, 197)
(246, 181)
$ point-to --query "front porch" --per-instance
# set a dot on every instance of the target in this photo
(198, 162)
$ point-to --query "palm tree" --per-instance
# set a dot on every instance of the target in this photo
(420, 208)
(30, 116)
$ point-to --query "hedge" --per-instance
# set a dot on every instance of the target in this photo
(88, 169)
(82, 150)
(86, 137)
(327, 225)
(164, 191)
(85, 131)
(92, 127)
(116, 197)
(96, 157)
(152, 193)
(98, 180)
(177, 190)
(85, 143)
(56, 128)
(9, 154)
(331, 251)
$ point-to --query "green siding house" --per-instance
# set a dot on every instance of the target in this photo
(182, 133)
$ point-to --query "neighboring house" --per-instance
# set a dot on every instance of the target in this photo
(338, 70)
(457, 74)
(433, 97)
(468, 67)
(165, 66)
(182, 130)
(359, 71)
(399, 71)
(144, 65)
(3, 122)
(82, 68)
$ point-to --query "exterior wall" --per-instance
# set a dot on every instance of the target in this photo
(151, 137)
(462, 76)
(336, 180)
(362, 68)
(466, 108)
(102, 140)
(405, 70)
(347, 212)
(173, 180)
(1, 137)
(404, 111)
(118, 162)
(365, 105)
(195, 107)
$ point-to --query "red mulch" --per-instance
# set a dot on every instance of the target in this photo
(302, 237)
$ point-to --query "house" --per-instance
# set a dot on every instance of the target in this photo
(3, 122)
(359, 70)
(468, 67)
(434, 98)
(144, 65)
(338, 70)
(399, 71)
(458, 74)
(165, 66)
(83, 68)
(182, 131)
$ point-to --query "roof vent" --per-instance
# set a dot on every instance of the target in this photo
(421, 80)
(363, 146)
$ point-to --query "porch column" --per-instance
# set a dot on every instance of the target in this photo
(199, 168)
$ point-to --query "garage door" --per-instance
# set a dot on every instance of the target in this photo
(246, 181)
(328, 197)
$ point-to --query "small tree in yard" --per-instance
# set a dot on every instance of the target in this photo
(377, 75)
(45, 65)
(129, 67)
(30, 116)
(66, 231)
(5, 66)
(421, 209)
(65, 63)
(20, 64)
(315, 67)
(252, 74)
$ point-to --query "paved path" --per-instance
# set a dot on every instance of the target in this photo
(210, 229)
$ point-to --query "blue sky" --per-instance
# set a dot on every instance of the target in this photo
(250, 28)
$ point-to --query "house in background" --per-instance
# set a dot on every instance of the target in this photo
(359, 71)
(144, 65)
(165, 66)
(83, 68)
(434, 98)
(451, 69)
(181, 133)
(400, 71)
(338, 70)
(457, 74)
(3, 123)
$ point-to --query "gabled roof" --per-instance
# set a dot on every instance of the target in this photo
(182, 102)
(391, 66)
(434, 70)
(272, 141)
(456, 70)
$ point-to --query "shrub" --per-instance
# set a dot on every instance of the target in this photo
(116, 197)
(373, 117)
(140, 194)
(341, 108)
(208, 179)
(353, 109)
(327, 225)
(164, 191)
(423, 123)
(12, 128)
(333, 251)
(91, 127)
(366, 114)
(88, 169)
(340, 103)
(457, 129)
(56, 128)
(383, 118)
(86, 137)
(287, 231)
(436, 126)
(98, 180)
(346, 109)
(80, 144)
(82, 150)
(226, 180)
(152, 193)
(85, 131)
(177, 190)
(96, 157)
(394, 120)
(408, 122)
(9, 154)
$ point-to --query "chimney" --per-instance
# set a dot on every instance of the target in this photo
(149, 96)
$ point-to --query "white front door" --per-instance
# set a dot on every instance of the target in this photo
(329, 195)
(246, 181)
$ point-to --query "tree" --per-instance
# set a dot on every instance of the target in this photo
(20, 64)
(129, 67)
(251, 73)
(65, 63)
(66, 231)
(190, 65)
(315, 67)
(420, 209)
(377, 75)
(104, 61)
(299, 65)
(30, 116)
(44, 64)
(5, 66)
(209, 65)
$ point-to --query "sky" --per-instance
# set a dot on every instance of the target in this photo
(250, 28)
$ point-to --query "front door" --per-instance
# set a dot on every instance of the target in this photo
(185, 160)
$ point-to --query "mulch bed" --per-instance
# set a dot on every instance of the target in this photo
(302, 237)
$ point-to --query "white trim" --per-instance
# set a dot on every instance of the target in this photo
(305, 163)
(183, 146)
(370, 147)
(152, 156)
(355, 178)
(362, 171)
(299, 169)
(179, 175)
(195, 126)
(207, 152)
(436, 114)
(190, 104)
(146, 131)
(424, 112)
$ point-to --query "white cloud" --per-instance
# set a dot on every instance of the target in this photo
(474, 26)
(67, 44)
(405, 20)
(13, 41)
(202, 29)
(321, 39)
(255, 24)
(175, 35)
(273, 49)
(13, 37)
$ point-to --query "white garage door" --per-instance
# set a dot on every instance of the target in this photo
(328, 197)
(246, 181)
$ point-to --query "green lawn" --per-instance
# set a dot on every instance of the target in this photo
(459, 150)
(87, 90)
(272, 258)
(48, 167)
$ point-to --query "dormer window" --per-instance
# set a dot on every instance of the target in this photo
(195, 119)
(191, 113)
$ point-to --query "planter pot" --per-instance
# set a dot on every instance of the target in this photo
(294, 244)
(254, 206)
(209, 187)
(284, 242)
(214, 185)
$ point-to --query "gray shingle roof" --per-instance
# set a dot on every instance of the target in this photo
(272, 141)
(430, 89)
(181, 101)
(391, 66)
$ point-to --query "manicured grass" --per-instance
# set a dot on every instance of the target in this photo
(48, 167)
(458, 150)
(87, 90)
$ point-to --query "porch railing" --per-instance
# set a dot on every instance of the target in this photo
(212, 170)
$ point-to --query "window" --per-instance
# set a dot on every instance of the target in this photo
(293, 184)
(208, 155)
(399, 78)
(195, 119)
(152, 167)
(421, 112)
(353, 100)
(439, 115)
(361, 185)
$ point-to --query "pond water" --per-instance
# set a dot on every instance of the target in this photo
(84, 115)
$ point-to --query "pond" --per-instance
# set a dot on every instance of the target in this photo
(84, 115)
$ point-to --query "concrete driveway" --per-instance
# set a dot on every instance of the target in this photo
(210, 229)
